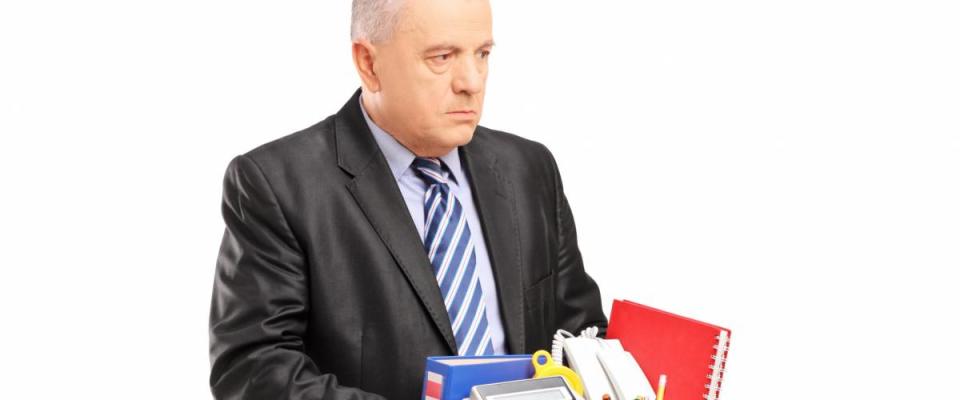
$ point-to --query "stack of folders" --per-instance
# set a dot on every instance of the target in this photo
(452, 377)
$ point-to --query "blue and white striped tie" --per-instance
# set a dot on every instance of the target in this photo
(452, 254)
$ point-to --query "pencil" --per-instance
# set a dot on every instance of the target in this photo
(661, 386)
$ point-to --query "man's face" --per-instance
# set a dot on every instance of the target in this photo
(433, 72)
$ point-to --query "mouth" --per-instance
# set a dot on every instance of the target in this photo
(463, 115)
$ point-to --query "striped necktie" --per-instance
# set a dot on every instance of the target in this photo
(451, 252)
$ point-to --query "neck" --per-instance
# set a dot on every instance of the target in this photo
(419, 149)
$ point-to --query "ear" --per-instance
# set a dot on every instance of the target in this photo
(364, 55)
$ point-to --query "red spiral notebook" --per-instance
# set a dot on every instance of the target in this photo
(691, 353)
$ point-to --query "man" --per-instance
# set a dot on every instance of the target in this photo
(394, 230)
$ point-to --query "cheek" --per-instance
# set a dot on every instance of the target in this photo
(420, 112)
(433, 101)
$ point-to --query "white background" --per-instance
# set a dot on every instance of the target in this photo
(785, 169)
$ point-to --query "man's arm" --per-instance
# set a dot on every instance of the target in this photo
(577, 295)
(259, 306)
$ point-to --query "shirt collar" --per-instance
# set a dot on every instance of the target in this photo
(399, 157)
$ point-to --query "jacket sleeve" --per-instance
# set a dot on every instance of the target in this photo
(577, 295)
(259, 305)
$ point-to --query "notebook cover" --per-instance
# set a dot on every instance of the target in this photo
(453, 382)
(665, 343)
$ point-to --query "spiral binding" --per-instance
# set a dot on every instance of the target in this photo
(718, 367)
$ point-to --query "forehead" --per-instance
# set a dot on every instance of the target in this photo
(460, 23)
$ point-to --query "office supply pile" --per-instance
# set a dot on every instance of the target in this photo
(644, 348)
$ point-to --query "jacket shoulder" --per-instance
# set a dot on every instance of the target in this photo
(312, 142)
(527, 159)
(511, 147)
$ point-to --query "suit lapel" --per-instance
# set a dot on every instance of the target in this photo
(376, 192)
(494, 197)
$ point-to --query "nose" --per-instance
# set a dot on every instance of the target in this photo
(469, 76)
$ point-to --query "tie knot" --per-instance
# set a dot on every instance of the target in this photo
(430, 170)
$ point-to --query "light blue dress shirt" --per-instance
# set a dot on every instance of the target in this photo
(414, 188)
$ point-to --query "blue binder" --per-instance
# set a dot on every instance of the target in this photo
(452, 377)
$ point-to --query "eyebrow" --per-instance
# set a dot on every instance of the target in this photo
(450, 46)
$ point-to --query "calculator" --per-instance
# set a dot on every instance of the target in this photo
(548, 388)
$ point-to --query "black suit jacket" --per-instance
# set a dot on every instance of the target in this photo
(323, 289)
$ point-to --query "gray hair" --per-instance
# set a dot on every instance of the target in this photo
(375, 20)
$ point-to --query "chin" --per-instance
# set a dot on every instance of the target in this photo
(451, 138)
(464, 135)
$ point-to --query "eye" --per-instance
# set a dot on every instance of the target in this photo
(441, 57)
